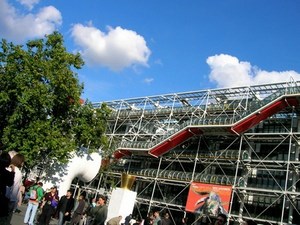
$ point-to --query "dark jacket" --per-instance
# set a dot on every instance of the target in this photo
(99, 213)
(65, 204)
(6, 179)
(81, 207)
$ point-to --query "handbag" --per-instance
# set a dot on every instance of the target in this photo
(54, 203)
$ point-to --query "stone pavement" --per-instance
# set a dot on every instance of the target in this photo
(18, 218)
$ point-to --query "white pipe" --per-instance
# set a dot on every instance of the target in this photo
(85, 167)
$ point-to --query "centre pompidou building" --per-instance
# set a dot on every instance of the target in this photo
(195, 154)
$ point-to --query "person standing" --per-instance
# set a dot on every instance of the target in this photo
(6, 179)
(149, 219)
(17, 160)
(166, 220)
(64, 208)
(78, 212)
(49, 205)
(87, 218)
(99, 212)
(221, 219)
(36, 196)
(157, 219)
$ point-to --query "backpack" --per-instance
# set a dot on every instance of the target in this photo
(33, 195)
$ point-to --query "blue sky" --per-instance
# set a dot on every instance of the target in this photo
(138, 48)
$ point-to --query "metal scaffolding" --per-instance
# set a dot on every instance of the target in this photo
(243, 137)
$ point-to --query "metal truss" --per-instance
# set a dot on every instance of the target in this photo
(244, 137)
(142, 125)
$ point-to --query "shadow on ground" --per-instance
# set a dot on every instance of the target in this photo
(18, 218)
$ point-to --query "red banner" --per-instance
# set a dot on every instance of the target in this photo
(209, 199)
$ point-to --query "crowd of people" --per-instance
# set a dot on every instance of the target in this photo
(66, 210)
(42, 205)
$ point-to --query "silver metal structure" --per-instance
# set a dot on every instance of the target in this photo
(244, 137)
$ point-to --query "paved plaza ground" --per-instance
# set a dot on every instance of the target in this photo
(18, 218)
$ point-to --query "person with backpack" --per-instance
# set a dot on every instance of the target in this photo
(36, 194)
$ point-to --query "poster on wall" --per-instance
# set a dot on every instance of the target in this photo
(208, 199)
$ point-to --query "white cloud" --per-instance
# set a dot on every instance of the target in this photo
(15, 26)
(117, 49)
(29, 3)
(228, 71)
(148, 80)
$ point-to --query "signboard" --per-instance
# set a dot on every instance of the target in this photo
(208, 199)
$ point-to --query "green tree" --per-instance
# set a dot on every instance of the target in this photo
(41, 114)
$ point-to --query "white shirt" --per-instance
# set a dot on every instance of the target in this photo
(14, 189)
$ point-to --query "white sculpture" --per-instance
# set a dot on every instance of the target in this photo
(84, 166)
(121, 203)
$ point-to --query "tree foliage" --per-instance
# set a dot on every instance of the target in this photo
(41, 114)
